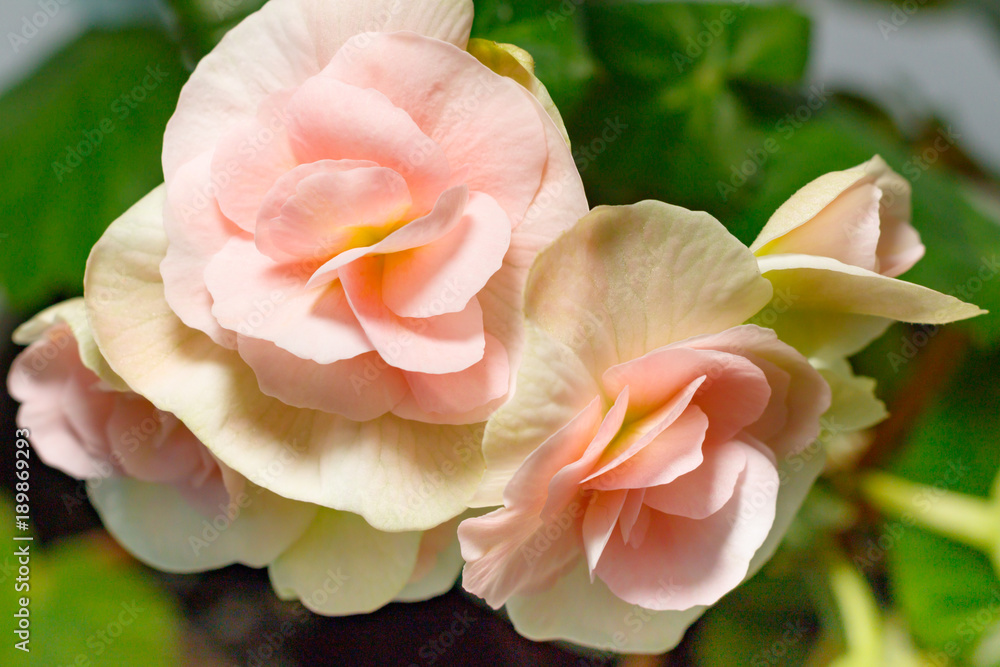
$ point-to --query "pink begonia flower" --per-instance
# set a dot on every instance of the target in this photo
(656, 447)
(832, 252)
(337, 257)
(165, 498)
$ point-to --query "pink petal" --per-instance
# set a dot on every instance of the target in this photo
(701, 559)
(46, 379)
(899, 247)
(360, 388)
(630, 513)
(706, 489)
(565, 484)
(642, 432)
(442, 276)
(154, 446)
(331, 120)
(442, 344)
(659, 457)
(279, 47)
(445, 216)
(249, 158)
(481, 120)
(259, 298)
(734, 393)
(318, 210)
(509, 552)
(464, 397)
(197, 230)
(599, 522)
(807, 396)
(561, 449)
(847, 229)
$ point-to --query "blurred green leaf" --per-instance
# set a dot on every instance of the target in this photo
(89, 605)
(82, 138)
(663, 42)
(949, 592)
(681, 78)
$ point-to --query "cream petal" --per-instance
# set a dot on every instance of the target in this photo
(341, 565)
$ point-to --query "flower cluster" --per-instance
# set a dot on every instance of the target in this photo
(370, 299)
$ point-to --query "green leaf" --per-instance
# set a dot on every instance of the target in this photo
(89, 605)
(941, 586)
(684, 80)
(82, 138)
(666, 42)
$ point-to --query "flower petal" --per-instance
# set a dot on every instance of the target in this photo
(443, 275)
(398, 474)
(279, 47)
(553, 387)
(793, 423)
(822, 283)
(317, 210)
(600, 619)
(159, 527)
(197, 231)
(360, 388)
(706, 489)
(332, 120)
(636, 276)
(439, 564)
(712, 558)
(341, 565)
(315, 324)
(508, 552)
(440, 344)
(477, 117)
(471, 395)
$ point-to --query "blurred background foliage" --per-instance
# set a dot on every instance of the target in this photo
(706, 105)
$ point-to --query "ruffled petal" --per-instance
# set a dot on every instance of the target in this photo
(281, 46)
